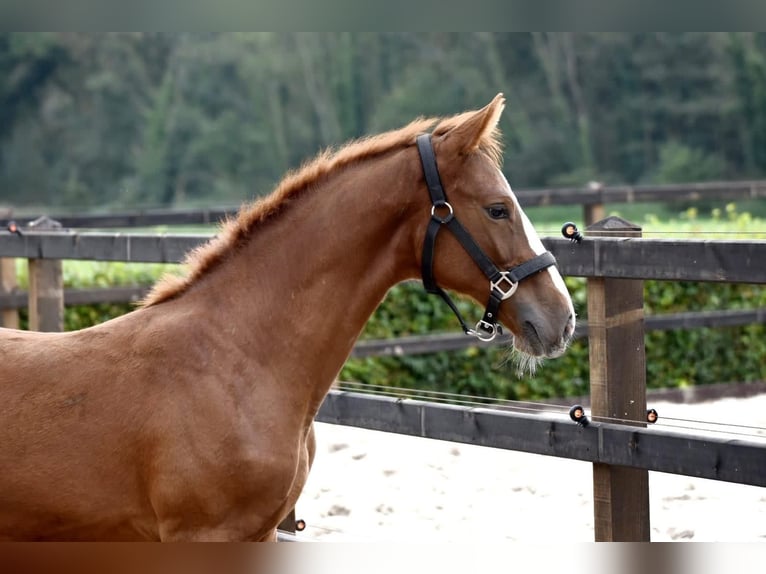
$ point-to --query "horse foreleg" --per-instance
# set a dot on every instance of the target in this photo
(270, 536)
(305, 460)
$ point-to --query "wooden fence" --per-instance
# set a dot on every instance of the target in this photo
(622, 454)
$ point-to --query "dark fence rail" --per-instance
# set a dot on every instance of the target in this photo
(654, 448)
(585, 196)
(140, 218)
(663, 259)
(125, 294)
(625, 258)
(131, 248)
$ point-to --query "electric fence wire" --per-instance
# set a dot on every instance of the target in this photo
(606, 233)
(474, 401)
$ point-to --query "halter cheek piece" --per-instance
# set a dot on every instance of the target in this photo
(502, 284)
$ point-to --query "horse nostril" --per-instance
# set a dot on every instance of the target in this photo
(569, 327)
(533, 336)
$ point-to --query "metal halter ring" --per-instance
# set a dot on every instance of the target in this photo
(447, 218)
(483, 327)
(505, 279)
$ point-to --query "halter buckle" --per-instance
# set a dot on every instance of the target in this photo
(504, 285)
(485, 331)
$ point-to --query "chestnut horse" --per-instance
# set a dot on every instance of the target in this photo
(190, 418)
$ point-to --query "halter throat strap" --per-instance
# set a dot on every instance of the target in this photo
(503, 284)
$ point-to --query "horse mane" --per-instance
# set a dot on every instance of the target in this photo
(234, 232)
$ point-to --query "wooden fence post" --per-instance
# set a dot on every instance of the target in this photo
(46, 288)
(8, 282)
(593, 212)
(8, 286)
(618, 391)
(288, 524)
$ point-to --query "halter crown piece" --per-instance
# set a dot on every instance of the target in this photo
(502, 284)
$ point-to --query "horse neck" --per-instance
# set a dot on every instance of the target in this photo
(303, 287)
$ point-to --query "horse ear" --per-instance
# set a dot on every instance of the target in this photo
(475, 127)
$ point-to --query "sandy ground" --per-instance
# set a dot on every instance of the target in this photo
(371, 486)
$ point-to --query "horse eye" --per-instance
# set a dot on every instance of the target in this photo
(498, 212)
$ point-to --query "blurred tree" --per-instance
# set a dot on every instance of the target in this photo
(679, 163)
(27, 62)
(747, 52)
(100, 120)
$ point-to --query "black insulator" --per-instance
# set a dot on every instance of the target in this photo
(300, 525)
(569, 231)
(577, 414)
(652, 416)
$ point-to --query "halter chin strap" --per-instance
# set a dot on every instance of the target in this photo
(502, 284)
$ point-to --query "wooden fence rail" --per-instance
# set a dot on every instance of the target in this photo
(625, 258)
(17, 299)
(658, 448)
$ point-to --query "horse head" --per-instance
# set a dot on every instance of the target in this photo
(503, 258)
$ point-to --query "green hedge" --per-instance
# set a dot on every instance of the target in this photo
(688, 357)
(674, 358)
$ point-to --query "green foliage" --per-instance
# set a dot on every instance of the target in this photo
(699, 356)
(680, 163)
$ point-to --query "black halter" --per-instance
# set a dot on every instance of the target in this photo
(502, 284)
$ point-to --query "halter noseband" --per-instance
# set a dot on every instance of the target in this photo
(502, 284)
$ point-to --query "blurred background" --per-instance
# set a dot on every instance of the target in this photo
(115, 120)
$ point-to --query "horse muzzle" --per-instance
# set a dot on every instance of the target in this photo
(542, 335)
